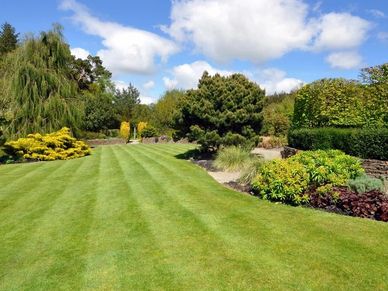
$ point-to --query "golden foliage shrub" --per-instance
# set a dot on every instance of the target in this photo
(141, 126)
(59, 145)
(125, 130)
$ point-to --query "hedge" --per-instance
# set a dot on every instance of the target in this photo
(364, 143)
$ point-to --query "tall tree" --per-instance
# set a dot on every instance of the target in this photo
(222, 111)
(8, 38)
(126, 100)
(36, 80)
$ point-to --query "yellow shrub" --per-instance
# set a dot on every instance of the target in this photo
(125, 130)
(140, 126)
(59, 145)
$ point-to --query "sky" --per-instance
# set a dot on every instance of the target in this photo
(159, 45)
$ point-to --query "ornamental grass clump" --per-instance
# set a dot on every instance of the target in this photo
(59, 145)
(232, 158)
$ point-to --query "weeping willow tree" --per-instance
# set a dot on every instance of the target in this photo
(37, 81)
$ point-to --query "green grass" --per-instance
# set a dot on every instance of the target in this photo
(135, 217)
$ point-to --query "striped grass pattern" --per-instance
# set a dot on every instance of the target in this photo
(134, 217)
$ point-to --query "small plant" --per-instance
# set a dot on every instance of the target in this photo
(232, 158)
(365, 183)
(141, 126)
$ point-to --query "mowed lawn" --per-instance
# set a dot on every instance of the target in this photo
(135, 217)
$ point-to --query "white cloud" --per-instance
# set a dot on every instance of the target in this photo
(276, 81)
(339, 31)
(149, 85)
(120, 85)
(186, 76)
(261, 30)
(376, 13)
(240, 29)
(126, 49)
(383, 35)
(79, 53)
(146, 99)
(345, 60)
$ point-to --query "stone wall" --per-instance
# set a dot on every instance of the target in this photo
(376, 168)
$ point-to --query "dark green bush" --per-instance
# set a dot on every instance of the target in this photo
(365, 143)
(149, 131)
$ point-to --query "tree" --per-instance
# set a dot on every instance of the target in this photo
(126, 100)
(221, 111)
(165, 110)
(375, 75)
(8, 38)
(36, 81)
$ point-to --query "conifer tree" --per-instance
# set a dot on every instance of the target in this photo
(8, 38)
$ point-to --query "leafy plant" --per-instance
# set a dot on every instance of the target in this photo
(58, 145)
(232, 158)
(365, 183)
(282, 180)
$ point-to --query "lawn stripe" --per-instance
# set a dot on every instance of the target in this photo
(53, 244)
(179, 220)
(242, 239)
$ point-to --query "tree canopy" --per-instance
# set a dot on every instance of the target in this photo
(221, 111)
(8, 38)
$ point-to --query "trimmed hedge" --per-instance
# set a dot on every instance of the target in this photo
(360, 142)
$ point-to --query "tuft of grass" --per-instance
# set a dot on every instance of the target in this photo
(251, 169)
(232, 158)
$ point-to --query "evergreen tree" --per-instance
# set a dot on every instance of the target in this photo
(37, 80)
(126, 100)
(8, 38)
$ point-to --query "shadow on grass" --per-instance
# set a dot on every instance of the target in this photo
(196, 154)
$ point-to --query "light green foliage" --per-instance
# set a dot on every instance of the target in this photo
(37, 83)
(329, 167)
(149, 131)
(232, 158)
(277, 115)
(287, 180)
(221, 111)
(282, 180)
(365, 183)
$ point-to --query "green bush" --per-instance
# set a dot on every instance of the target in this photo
(232, 158)
(282, 180)
(288, 180)
(361, 142)
(365, 183)
(149, 131)
(329, 167)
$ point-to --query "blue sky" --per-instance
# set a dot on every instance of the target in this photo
(159, 45)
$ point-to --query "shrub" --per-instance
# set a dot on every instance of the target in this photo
(92, 135)
(329, 167)
(365, 183)
(282, 180)
(141, 126)
(287, 180)
(232, 158)
(364, 143)
(125, 130)
(58, 145)
(149, 131)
